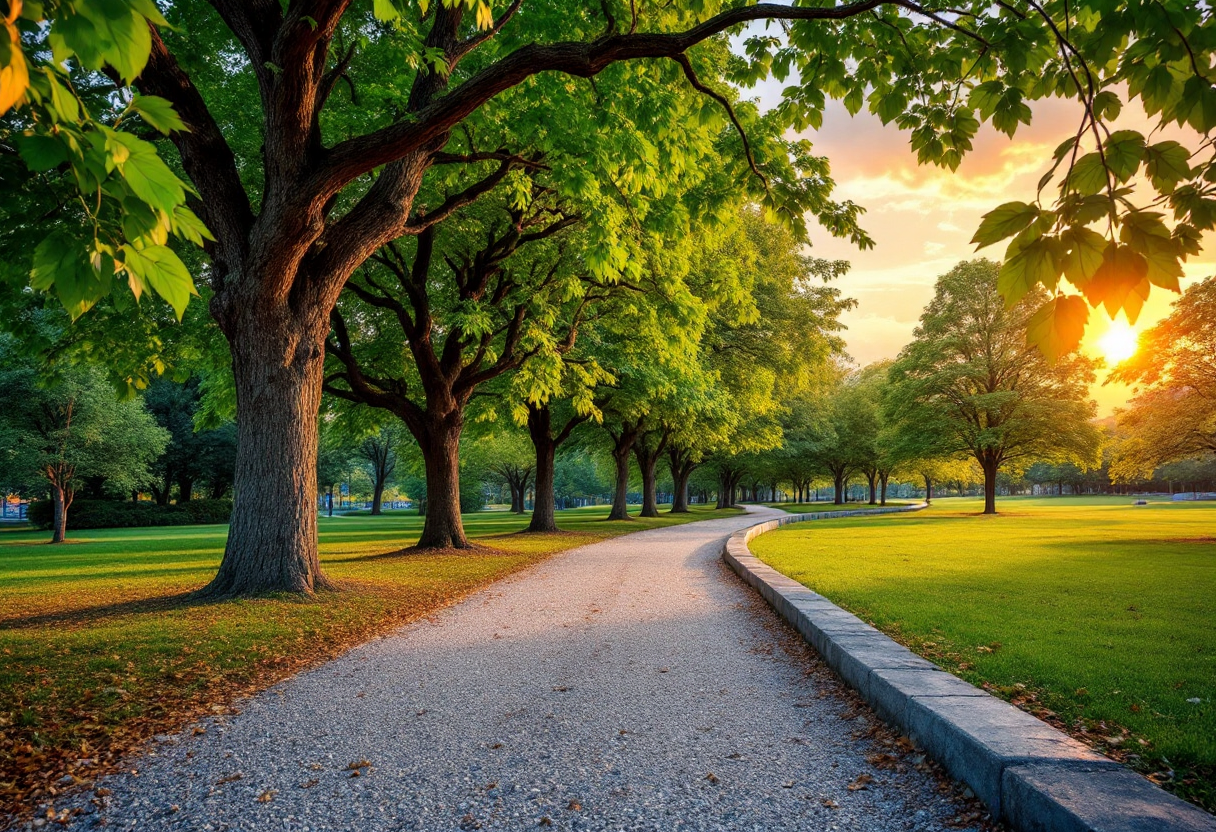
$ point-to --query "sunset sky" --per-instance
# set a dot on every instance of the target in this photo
(922, 219)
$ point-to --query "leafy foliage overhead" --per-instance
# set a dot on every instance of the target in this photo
(1117, 215)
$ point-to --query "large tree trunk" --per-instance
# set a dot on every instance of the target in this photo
(648, 458)
(185, 489)
(377, 495)
(681, 471)
(882, 485)
(838, 485)
(928, 489)
(872, 482)
(990, 467)
(60, 527)
(272, 542)
(540, 429)
(544, 508)
(443, 528)
(650, 502)
(621, 448)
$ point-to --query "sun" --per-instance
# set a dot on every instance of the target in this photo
(1119, 343)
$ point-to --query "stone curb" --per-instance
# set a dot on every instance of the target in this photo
(1031, 776)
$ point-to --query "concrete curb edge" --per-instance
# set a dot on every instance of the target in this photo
(1031, 776)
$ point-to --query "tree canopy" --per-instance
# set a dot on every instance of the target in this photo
(971, 384)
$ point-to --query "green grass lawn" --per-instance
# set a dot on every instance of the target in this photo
(100, 648)
(1091, 612)
(827, 505)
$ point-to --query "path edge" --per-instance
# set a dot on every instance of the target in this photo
(1031, 776)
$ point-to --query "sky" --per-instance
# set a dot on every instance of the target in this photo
(922, 219)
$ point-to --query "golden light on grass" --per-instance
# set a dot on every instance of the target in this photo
(1119, 342)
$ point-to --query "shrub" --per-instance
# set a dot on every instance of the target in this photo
(116, 514)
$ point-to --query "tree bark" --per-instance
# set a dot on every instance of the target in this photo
(681, 471)
(377, 496)
(443, 528)
(540, 429)
(928, 489)
(648, 458)
(990, 466)
(60, 527)
(882, 487)
(872, 482)
(622, 446)
(838, 485)
(185, 489)
(272, 542)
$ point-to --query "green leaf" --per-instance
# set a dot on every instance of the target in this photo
(1088, 175)
(1028, 265)
(1167, 164)
(387, 11)
(1004, 221)
(148, 176)
(59, 263)
(1010, 112)
(1124, 149)
(1084, 253)
(889, 106)
(159, 114)
(159, 268)
(1058, 325)
(41, 153)
(188, 226)
(1107, 105)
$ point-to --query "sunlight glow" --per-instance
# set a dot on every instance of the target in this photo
(1119, 342)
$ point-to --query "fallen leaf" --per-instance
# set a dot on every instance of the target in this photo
(861, 782)
(308, 784)
(231, 778)
(831, 804)
(575, 806)
(103, 792)
(358, 765)
(267, 796)
(884, 762)
(711, 777)
(545, 821)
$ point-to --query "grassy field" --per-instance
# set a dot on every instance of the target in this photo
(1090, 612)
(100, 648)
(825, 505)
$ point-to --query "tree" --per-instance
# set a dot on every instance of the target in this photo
(69, 429)
(335, 457)
(970, 381)
(192, 456)
(547, 437)
(378, 452)
(1173, 415)
(509, 456)
(289, 220)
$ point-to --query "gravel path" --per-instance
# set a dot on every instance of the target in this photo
(630, 684)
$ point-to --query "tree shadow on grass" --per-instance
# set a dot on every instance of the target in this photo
(101, 612)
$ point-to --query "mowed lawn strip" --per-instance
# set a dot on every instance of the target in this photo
(1095, 614)
(100, 649)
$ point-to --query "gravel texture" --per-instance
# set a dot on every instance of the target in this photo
(631, 684)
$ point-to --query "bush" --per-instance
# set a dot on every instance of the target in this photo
(115, 514)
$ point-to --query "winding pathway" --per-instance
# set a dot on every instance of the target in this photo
(630, 684)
